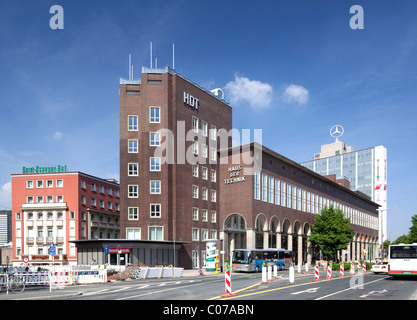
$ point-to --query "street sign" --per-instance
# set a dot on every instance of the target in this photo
(106, 249)
(52, 250)
(25, 259)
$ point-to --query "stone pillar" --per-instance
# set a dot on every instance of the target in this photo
(278, 240)
(300, 249)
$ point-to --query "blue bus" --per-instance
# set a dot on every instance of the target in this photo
(252, 260)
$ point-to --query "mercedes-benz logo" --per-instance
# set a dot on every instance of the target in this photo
(337, 131)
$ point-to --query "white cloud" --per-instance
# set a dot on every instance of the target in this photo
(296, 93)
(57, 135)
(256, 93)
(6, 195)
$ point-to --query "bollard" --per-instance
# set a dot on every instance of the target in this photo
(358, 264)
(299, 268)
(228, 282)
(291, 275)
(316, 273)
(352, 269)
(306, 267)
(275, 271)
(342, 270)
(329, 272)
(364, 267)
(269, 273)
(264, 279)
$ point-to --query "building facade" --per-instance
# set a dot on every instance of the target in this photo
(366, 170)
(269, 201)
(50, 209)
(168, 161)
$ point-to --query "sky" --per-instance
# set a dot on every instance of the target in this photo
(291, 68)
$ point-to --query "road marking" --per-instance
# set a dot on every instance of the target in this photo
(312, 290)
(353, 287)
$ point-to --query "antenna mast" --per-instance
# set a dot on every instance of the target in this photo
(151, 54)
(173, 56)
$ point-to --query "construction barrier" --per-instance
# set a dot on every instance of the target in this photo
(352, 269)
(316, 273)
(228, 283)
(329, 272)
(156, 272)
(364, 268)
(358, 264)
(342, 270)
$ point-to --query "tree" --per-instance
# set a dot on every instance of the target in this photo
(413, 229)
(331, 232)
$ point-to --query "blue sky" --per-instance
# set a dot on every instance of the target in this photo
(291, 68)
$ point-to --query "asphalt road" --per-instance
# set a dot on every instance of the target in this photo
(245, 287)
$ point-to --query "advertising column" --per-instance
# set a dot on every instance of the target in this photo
(211, 254)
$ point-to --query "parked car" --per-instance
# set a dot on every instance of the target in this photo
(380, 267)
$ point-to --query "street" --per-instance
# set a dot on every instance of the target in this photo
(244, 287)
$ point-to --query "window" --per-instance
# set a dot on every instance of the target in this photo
(204, 234)
(288, 195)
(264, 186)
(155, 186)
(155, 139)
(133, 213)
(204, 128)
(213, 195)
(204, 150)
(213, 217)
(283, 186)
(195, 170)
(39, 199)
(204, 173)
(213, 133)
(50, 199)
(154, 115)
(132, 169)
(101, 203)
(49, 183)
(133, 233)
(155, 210)
(277, 191)
(213, 176)
(82, 184)
(195, 124)
(204, 193)
(29, 184)
(195, 214)
(109, 191)
(133, 146)
(195, 192)
(93, 187)
(271, 189)
(256, 181)
(204, 215)
(155, 164)
(93, 202)
(155, 233)
(195, 236)
(213, 155)
(101, 189)
(133, 191)
(109, 205)
(59, 198)
(132, 123)
(39, 183)
(195, 147)
(59, 183)
(294, 197)
(29, 199)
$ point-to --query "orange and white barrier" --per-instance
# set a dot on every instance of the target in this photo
(342, 270)
(228, 283)
(352, 269)
(316, 273)
(329, 272)
(358, 264)
(364, 268)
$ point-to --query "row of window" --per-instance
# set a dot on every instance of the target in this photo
(204, 173)
(154, 210)
(49, 183)
(93, 187)
(156, 233)
(154, 117)
(269, 189)
(204, 193)
(60, 199)
(204, 215)
(101, 203)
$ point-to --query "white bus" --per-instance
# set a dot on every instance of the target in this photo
(252, 260)
(403, 260)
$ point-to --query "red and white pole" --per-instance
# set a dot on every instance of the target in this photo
(316, 273)
(352, 269)
(364, 267)
(342, 270)
(228, 281)
(329, 272)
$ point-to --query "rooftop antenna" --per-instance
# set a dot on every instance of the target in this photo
(151, 54)
(173, 56)
(130, 66)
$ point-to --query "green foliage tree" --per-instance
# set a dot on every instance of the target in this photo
(331, 232)
(413, 229)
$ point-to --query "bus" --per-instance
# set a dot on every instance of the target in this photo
(252, 260)
(402, 260)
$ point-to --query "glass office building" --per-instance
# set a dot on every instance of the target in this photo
(366, 170)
